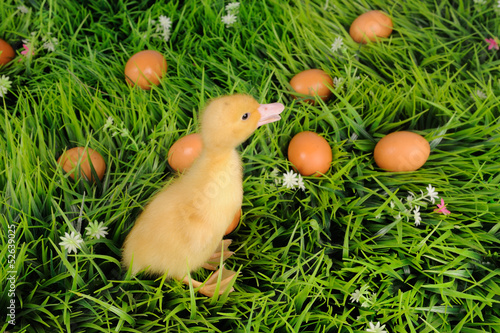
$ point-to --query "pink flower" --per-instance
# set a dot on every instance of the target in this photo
(493, 43)
(26, 50)
(442, 208)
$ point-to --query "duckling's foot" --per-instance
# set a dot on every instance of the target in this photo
(209, 287)
(222, 250)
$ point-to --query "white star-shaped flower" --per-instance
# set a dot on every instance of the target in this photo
(337, 82)
(290, 179)
(416, 215)
(72, 241)
(50, 43)
(337, 44)
(233, 6)
(274, 174)
(376, 328)
(431, 193)
(165, 22)
(108, 123)
(356, 295)
(229, 19)
(5, 84)
(23, 9)
(479, 94)
(300, 183)
(124, 132)
(96, 230)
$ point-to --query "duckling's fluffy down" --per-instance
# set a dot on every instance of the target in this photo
(184, 223)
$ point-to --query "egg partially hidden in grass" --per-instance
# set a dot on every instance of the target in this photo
(6, 52)
(312, 82)
(145, 68)
(401, 151)
(82, 159)
(309, 153)
(184, 151)
(370, 26)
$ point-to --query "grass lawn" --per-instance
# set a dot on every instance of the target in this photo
(343, 254)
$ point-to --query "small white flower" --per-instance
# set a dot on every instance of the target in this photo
(108, 124)
(5, 84)
(376, 328)
(71, 242)
(23, 9)
(229, 19)
(166, 35)
(416, 215)
(124, 132)
(165, 22)
(410, 198)
(233, 6)
(480, 2)
(300, 183)
(337, 44)
(479, 94)
(96, 230)
(392, 204)
(164, 27)
(274, 174)
(337, 82)
(431, 193)
(356, 295)
(290, 179)
(50, 43)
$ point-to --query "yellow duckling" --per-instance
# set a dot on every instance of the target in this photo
(182, 227)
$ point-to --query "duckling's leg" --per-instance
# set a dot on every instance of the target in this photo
(222, 250)
(209, 287)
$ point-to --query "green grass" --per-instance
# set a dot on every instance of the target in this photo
(301, 254)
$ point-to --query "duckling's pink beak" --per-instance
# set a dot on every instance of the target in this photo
(269, 113)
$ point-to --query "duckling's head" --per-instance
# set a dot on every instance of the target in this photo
(229, 120)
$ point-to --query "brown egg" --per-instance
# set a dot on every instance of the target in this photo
(184, 151)
(6, 52)
(234, 223)
(401, 151)
(310, 154)
(145, 68)
(312, 82)
(82, 157)
(371, 26)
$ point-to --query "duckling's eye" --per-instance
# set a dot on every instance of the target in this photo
(245, 116)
